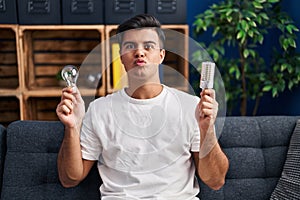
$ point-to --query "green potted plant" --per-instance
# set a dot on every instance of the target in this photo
(241, 28)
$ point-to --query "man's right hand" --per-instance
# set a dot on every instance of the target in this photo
(72, 169)
(71, 108)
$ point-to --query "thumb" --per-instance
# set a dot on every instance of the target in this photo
(76, 93)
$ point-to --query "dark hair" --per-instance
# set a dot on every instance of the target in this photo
(141, 21)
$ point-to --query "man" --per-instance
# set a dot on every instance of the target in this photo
(145, 138)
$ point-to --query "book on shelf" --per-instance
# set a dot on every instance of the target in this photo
(119, 74)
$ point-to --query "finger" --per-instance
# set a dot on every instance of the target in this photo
(68, 96)
(73, 94)
(207, 112)
(207, 105)
(76, 93)
(209, 92)
(207, 99)
(198, 110)
(65, 91)
(199, 106)
(63, 109)
(68, 103)
(67, 106)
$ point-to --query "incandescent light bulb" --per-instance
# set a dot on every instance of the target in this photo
(70, 74)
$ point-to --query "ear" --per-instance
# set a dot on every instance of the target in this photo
(162, 55)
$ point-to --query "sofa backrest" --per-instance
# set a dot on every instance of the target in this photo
(2, 151)
(256, 148)
(30, 170)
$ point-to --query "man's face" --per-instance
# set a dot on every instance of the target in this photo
(140, 51)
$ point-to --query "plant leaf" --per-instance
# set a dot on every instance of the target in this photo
(290, 28)
(274, 92)
(245, 25)
(292, 42)
(285, 44)
(283, 67)
(264, 16)
(267, 88)
(261, 39)
(257, 5)
(253, 24)
(290, 85)
(216, 31)
(240, 35)
(273, 1)
(251, 33)
(246, 53)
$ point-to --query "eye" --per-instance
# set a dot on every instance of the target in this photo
(149, 46)
(129, 46)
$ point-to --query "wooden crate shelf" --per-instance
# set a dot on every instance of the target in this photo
(53, 92)
(48, 48)
(9, 74)
(41, 108)
(44, 108)
(10, 109)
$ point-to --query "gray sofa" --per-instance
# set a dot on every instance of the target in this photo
(256, 148)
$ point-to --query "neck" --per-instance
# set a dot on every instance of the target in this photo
(144, 87)
(146, 91)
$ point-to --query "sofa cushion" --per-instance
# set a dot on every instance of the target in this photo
(2, 151)
(289, 183)
(30, 170)
(256, 148)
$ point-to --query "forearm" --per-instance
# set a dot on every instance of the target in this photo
(70, 165)
(213, 163)
(213, 167)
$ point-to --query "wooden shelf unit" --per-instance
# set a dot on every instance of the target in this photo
(45, 50)
(31, 56)
(10, 79)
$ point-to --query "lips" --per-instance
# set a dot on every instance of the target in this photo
(140, 62)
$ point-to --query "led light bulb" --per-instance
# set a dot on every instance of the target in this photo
(70, 74)
(207, 75)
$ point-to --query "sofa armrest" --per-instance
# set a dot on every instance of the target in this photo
(30, 170)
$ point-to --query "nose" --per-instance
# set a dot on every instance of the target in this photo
(139, 53)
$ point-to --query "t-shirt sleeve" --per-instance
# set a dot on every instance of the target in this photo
(91, 147)
(195, 136)
(195, 142)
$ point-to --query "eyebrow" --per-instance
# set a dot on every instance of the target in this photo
(146, 42)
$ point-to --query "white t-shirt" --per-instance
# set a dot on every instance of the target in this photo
(143, 146)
